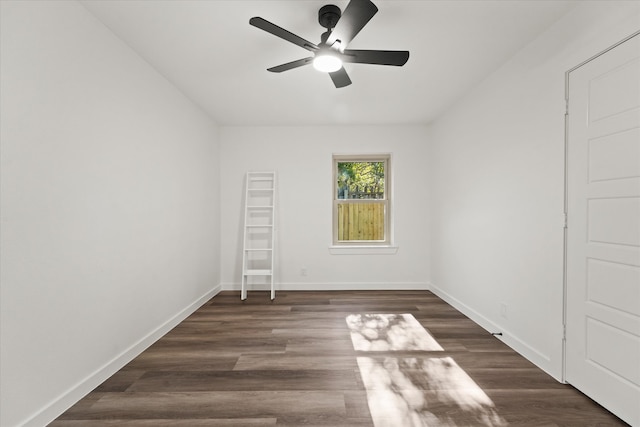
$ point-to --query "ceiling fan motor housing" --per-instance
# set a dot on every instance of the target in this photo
(329, 15)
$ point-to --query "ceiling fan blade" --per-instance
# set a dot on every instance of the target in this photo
(340, 78)
(291, 65)
(267, 26)
(379, 57)
(353, 19)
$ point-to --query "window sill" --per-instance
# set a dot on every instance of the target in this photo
(363, 250)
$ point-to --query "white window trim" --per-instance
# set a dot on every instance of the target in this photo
(386, 247)
(363, 250)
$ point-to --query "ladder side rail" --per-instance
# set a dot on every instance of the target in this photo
(243, 287)
(273, 235)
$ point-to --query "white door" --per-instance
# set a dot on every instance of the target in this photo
(603, 234)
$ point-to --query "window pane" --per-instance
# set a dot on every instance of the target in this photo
(361, 221)
(360, 180)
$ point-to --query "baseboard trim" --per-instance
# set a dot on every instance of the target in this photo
(534, 356)
(59, 405)
(335, 286)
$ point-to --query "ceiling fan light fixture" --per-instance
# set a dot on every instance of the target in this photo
(327, 62)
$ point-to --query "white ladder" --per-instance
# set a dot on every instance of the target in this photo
(258, 253)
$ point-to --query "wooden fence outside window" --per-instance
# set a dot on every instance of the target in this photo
(361, 221)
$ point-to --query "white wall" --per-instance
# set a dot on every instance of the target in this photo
(497, 167)
(110, 217)
(301, 156)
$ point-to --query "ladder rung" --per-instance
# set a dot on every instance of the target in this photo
(261, 189)
(259, 226)
(260, 207)
(261, 178)
(258, 250)
(257, 272)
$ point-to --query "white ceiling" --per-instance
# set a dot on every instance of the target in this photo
(210, 52)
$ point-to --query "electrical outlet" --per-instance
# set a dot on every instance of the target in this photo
(303, 271)
(503, 310)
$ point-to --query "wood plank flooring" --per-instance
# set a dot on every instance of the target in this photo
(291, 362)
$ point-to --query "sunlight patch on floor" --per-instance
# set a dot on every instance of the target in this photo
(389, 332)
(430, 391)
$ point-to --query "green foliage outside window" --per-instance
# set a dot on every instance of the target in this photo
(361, 180)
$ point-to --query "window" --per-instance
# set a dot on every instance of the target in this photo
(361, 197)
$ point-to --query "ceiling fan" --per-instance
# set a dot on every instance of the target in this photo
(331, 52)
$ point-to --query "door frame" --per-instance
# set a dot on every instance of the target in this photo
(566, 198)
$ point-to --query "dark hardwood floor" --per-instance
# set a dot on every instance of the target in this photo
(291, 362)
